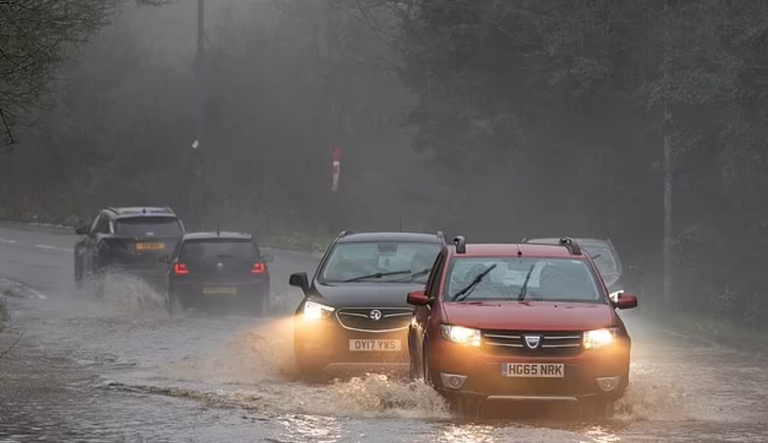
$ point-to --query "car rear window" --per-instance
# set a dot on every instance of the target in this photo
(551, 279)
(148, 226)
(200, 250)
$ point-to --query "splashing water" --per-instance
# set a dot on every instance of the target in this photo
(131, 294)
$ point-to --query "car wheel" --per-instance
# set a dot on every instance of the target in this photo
(596, 408)
(265, 308)
(429, 378)
(467, 407)
(413, 372)
(306, 369)
(172, 303)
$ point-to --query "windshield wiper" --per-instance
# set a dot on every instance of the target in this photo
(376, 275)
(415, 275)
(524, 289)
(465, 291)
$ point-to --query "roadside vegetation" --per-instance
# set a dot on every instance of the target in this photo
(494, 119)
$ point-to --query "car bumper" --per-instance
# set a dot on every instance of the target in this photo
(326, 344)
(464, 371)
(218, 291)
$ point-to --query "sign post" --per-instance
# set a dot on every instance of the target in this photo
(336, 215)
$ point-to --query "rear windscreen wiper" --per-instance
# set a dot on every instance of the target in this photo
(465, 291)
(376, 275)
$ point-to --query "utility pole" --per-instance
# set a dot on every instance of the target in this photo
(199, 189)
(668, 176)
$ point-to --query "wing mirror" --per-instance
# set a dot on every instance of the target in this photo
(267, 258)
(418, 298)
(82, 230)
(299, 280)
(625, 301)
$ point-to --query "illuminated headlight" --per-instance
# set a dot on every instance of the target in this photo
(316, 311)
(461, 335)
(599, 338)
(615, 295)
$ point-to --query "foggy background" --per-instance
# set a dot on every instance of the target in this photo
(493, 119)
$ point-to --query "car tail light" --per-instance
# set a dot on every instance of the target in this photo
(180, 269)
(259, 268)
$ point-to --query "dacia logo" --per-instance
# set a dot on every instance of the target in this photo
(375, 315)
(532, 341)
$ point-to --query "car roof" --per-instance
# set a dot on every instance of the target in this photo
(141, 211)
(216, 235)
(389, 237)
(512, 249)
(581, 241)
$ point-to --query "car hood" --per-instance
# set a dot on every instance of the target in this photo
(365, 294)
(542, 316)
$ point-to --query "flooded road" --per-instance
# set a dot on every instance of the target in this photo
(121, 370)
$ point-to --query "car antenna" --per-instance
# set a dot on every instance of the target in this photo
(218, 230)
(144, 211)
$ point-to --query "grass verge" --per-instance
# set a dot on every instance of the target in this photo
(719, 330)
(297, 242)
(4, 315)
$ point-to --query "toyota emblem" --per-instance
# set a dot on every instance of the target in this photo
(375, 315)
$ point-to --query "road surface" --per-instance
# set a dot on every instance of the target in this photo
(122, 370)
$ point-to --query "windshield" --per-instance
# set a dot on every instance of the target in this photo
(405, 262)
(548, 279)
(210, 249)
(605, 261)
(148, 227)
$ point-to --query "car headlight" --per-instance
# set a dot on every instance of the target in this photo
(599, 338)
(461, 335)
(316, 311)
(614, 296)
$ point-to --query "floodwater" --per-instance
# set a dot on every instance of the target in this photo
(122, 370)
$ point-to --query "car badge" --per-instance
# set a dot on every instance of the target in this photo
(219, 266)
(375, 315)
(532, 341)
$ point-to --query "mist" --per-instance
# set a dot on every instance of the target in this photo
(535, 124)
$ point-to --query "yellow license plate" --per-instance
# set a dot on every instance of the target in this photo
(150, 246)
(208, 290)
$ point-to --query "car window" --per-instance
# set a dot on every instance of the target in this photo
(408, 261)
(551, 279)
(148, 226)
(604, 259)
(204, 249)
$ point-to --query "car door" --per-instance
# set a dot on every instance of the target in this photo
(85, 245)
(423, 314)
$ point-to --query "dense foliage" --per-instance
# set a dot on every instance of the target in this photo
(527, 118)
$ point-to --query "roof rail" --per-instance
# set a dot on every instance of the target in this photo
(441, 237)
(344, 233)
(571, 244)
(461, 244)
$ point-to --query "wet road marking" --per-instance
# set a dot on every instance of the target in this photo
(24, 287)
(3, 240)
(55, 248)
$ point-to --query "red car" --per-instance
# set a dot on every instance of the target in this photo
(519, 322)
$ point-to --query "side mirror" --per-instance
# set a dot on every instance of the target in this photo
(418, 298)
(267, 258)
(625, 301)
(165, 259)
(299, 280)
(82, 230)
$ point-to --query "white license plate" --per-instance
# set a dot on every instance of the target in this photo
(375, 345)
(533, 370)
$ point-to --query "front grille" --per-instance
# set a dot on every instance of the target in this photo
(362, 319)
(551, 343)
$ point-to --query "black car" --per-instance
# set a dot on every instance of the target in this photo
(354, 314)
(606, 258)
(127, 240)
(211, 269)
